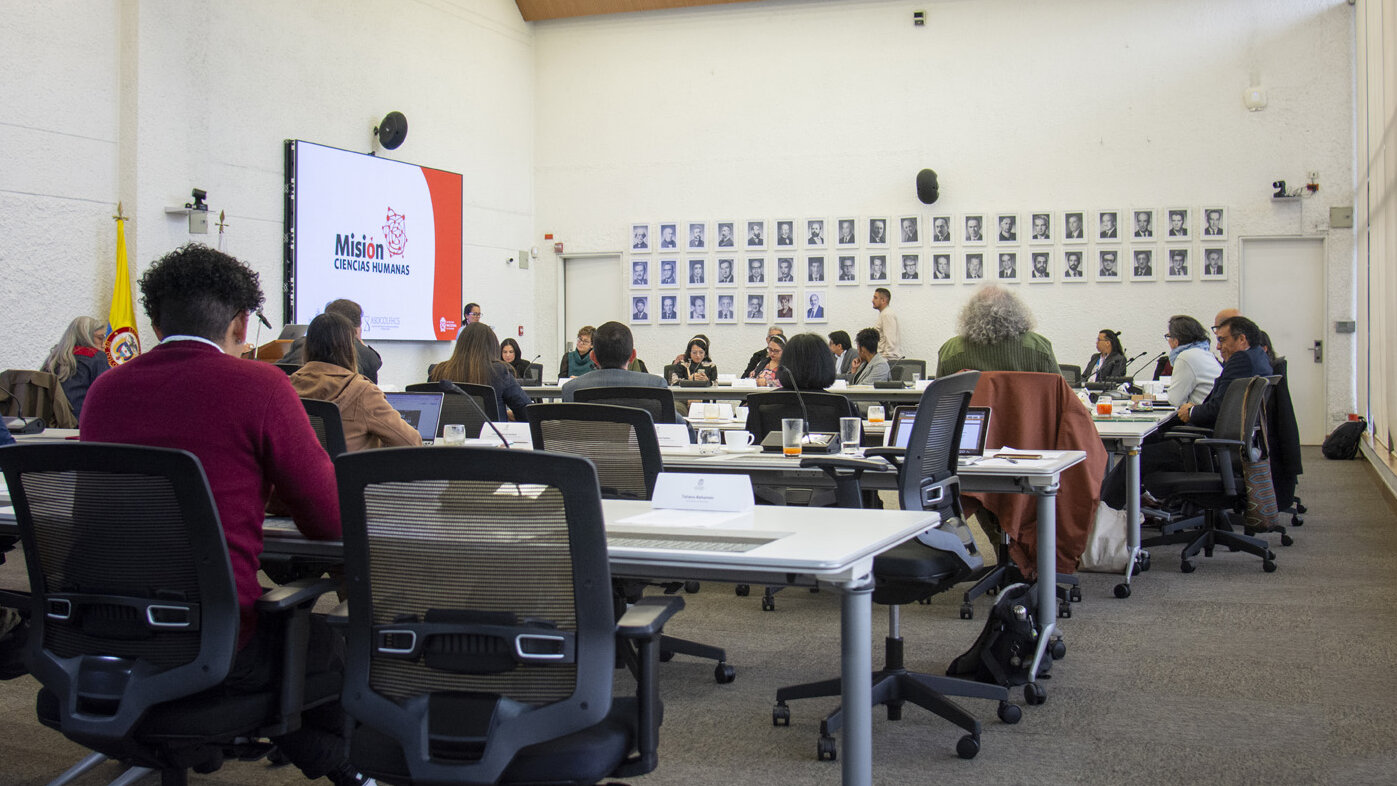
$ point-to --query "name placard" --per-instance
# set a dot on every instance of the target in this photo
(694, 491)
(517, 434)
(672, 435)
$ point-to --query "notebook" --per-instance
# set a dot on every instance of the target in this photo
(972, 434)
(422, 411)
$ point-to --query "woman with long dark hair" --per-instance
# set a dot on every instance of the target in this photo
(476, 361)
(331, 374)
(513, 356)
(694, 364)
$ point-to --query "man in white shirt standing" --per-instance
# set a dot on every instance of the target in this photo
(889, 336)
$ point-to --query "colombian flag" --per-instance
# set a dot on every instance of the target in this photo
(122, 342)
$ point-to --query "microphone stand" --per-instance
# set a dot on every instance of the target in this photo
(1154, 359)
(449, 387)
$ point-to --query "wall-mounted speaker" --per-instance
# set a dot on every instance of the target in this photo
(928, 190)
(392, 131)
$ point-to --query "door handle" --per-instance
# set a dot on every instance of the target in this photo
(1318, 349)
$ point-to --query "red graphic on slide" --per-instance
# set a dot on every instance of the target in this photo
(395, 233)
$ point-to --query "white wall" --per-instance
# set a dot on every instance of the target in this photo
(830, 108)
(142, 100)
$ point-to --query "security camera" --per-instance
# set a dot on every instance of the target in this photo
(199, 195)
(1279, 185)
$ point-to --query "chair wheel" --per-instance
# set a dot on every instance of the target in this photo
(1296, 520)
(1187, 567)
(967, 611)
(768, 603)
(1269, 566)
(691, 587)
(666, 655)
(742, 590)
(1075, 594)
(1010, 713)
(1058, 649)
(724, 673)
(1033, 694)
(781, 714)
(1286, 540)
(1144, 562)
(824, 749)
(1064, 610)
(1300, 508)
(924, 602)
(1122, 591)
(968, 746)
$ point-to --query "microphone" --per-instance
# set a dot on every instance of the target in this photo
(804, 413)
(27, 425)
(928, 190)
(447, 386)
(1154, 359)
(263, 319)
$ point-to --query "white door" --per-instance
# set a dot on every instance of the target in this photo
(592, 294)
(1283, 292)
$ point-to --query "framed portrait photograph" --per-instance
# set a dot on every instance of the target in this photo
(816, 233)
(911, 270)
(815, 300)
(974, 268)
(1214, 224)
(1142, 224)
(973, 229)
(941, 231)
(1040, 227)
(941, 269)
(756, 234)
(1142, 263)
(697, 238)
(846, 232)
(1108, 266)
(1214, 264)
(640, 237)
(725, 273)
(1006, 227)
(756, 271)
(1178, 266)
(756, 307)
(669, 236)
(725, 235)
(815, 269)
(640, 272)
(1073, 269)
(698, 309)
(1074, 226)
(669, 273)
(1040, 266)
(1108, 226)
(847, 266)
(877, 269)
(785, 307)
(785, 272)
(909, 231)
(1007, 267)
(1178, 228)
(698, 272)
(725, 313)
(785, 235)
(640, 309)
(669, 309)
(877, 234)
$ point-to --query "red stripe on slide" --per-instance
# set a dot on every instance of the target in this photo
(445, 188)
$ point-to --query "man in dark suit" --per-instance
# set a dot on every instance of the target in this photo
(1074, 227)
(725, 307)
(972, 229)
(1212, 262)
(1072, 264)
(669, 307)
(725, 271)
(1239, 343)
(1040, 227)
(1108, 226)
(846, 231)
(756, 272)
(1008, 229)
(1177, 227)
(1144, 224)
(940, 230)
(725, 239)
(369, 360)
(667, 240)
(839, 346)
(1108, 265)
(1214, 226)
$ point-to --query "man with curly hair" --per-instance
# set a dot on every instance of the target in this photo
(996, 335)
(245, 423)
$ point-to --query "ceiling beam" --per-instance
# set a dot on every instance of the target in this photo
(537, 10)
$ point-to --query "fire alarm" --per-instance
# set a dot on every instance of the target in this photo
(557, 248)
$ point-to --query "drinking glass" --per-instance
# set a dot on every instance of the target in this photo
(709, 440)
(453, 434)
(875, 413)
(792, 430)
(850, 434)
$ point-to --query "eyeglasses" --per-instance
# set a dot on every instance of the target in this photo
(1167, 336)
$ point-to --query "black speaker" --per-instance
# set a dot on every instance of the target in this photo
(393, 130)
(928, 190)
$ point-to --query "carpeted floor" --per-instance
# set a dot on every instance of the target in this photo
(1227, 675)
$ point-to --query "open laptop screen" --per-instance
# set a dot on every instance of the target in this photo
(972, 435)
(422, 411)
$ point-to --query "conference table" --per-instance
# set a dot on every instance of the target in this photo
(868, 393)
(1122, 437)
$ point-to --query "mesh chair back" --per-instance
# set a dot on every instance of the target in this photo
(455, 409)
(1241, 409)
(902, 369)
(134, 598)
(659, 402)
(929, 480)
(1073, 374)
(480, 617)
(766, 410)
(325, 420)
(534, 375)
(620, 441)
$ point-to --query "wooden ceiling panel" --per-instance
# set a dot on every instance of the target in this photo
(536, 10)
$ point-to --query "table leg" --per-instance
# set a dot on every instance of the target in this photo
(856, 696)
(1132, 508)
(1047, 571)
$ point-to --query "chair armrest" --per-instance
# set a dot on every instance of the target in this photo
(289, 596)
(646, 618)
(893, 456)
(847, 462)
(1214, 442)
(290, 606)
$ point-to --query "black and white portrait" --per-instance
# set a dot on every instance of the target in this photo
(1106, 228)
(941, 268)
(698, 235)
(669, 272)
(877, 268)
(756, 307)
(911, 269)
(974, 229)
(909, 231)
(1008, 269)
(669, 308)
(877, 231)
(1214, 264)
(1074, 227)
(727, 273)
(815, 270)
(1040, 229)
(974, 267)
(756, 234)
(941, 230)
(640, 237)
(698, 309)
(640, 272)
(1178, 269)
(1178, 223)
(785, 271)
(848, 270)
(1072, 266)
(1108, 267)
(726, 314)
(785, 233)
(1007, 228)
(698, 272)
(1142, 264)
(786, 307)
(727, 236)
(815, 236)
(814, 305)
(1040, 267)
(756, 270)
(640, 310)
(1214, 224)
(669, 236)
(1143, 226)
(846, 234)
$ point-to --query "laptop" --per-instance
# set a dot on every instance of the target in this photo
(422, 411)
(972, 434)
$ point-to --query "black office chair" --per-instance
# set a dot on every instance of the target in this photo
(917, 569)
(480, 653)
(901, 370)
(534, 376)
(1214, 498)
(1073, 374)
(822, 410)
(329, 429)
(455, 409)
(127, 559)
(289, 368)
(621, 443)
(659, 402)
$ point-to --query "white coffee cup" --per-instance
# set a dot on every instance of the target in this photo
(737, 439)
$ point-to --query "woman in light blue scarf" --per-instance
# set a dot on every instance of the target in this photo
(1195, 368)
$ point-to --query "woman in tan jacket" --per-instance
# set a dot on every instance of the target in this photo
(369, 421)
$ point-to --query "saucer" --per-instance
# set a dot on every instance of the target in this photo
(741, 448)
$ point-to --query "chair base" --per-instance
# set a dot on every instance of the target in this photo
(722, 673)
(1204, 534)
(993, 578)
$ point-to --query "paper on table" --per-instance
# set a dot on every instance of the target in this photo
(690, 518)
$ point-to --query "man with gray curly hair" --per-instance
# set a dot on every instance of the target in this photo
(996, 335)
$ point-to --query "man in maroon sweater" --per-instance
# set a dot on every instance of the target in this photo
(248, 428)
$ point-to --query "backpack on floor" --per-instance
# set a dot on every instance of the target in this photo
(1003, 652)
(1342, 442)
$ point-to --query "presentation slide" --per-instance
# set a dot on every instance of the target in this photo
(382, 233)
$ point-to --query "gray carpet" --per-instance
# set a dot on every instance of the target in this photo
(1227, 675)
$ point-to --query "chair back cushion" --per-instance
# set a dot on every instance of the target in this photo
(620, 442)
(765, 411)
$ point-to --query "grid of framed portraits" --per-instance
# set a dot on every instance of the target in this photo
(781, 269)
